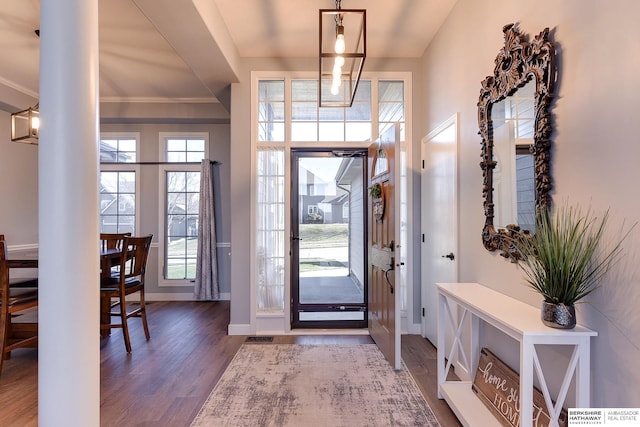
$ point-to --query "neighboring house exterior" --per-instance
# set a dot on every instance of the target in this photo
(349, 177)
(321, 201)
(111, 206)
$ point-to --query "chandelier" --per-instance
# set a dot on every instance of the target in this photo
(342, 51)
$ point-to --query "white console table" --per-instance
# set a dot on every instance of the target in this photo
(521, 322)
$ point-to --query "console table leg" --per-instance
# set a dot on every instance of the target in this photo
(583, 399)
(440, 341)
(526, 383)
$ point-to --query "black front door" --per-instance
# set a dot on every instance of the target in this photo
(328, 234)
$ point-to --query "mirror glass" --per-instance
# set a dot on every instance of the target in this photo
(513, 177)
(515, 126)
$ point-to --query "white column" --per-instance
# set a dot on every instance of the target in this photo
(69, 348)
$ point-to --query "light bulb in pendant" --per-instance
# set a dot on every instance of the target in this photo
(340, 45)
(337, 71)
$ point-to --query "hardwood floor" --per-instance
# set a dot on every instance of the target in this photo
(165, 381)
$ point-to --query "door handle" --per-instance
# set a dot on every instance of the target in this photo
(296, 238)
(450, 255)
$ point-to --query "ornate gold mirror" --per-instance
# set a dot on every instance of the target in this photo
(515, 126)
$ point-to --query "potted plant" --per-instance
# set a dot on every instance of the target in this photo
(560, 260)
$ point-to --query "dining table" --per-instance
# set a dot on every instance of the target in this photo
(108, 259)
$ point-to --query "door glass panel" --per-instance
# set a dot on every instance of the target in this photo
(330, 239)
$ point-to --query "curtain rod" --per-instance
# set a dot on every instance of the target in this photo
(213, 162)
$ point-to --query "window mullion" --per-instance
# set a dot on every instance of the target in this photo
(375, 110)
(287, 110)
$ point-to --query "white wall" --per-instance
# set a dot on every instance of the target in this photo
(18, 187)
(594, 156)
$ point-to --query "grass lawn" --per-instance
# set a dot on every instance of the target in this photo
(323, 235)
(318, 236)
(312, 235)
(178, 268)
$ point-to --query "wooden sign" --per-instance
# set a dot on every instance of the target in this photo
(378, 208)
(498, 387)
(377, 204)
(382, 258)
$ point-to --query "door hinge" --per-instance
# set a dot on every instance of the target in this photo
(423, 164)
(422, 237)
(422, 311)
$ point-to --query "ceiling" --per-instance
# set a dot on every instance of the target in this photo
(190, 49)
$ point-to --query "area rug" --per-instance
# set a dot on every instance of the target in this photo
(314, 385)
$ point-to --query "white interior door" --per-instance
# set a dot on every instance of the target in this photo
(439, 217)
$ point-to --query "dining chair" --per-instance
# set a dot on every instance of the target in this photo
(112, 240)
(130, 278)
(109, 242)
(16, 295)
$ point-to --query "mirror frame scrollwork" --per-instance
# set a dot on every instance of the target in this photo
(517, 63)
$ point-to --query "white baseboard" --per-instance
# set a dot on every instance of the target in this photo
(239, 329)
(415, 329)
(180, 296)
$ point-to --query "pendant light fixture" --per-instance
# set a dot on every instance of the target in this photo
(342, 51)
(25, 125)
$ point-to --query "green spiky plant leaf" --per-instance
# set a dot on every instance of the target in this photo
(375, 191)
(560, 260)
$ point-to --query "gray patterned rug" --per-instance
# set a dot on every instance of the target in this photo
(314, 385)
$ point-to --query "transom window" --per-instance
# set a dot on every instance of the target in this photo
(271, 110)
(311, 123)
(391, 106)
(287, 111)
(184, 149)
(118, 149)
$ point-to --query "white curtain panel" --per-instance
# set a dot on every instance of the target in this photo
(207, 286)
(270, 237)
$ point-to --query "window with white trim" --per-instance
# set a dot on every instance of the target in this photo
(286, 114)
(118, 182)
(180, 184)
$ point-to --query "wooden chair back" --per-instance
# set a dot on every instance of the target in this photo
(3, 252)
(15, 297)
(112, 240)
(134, 261)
